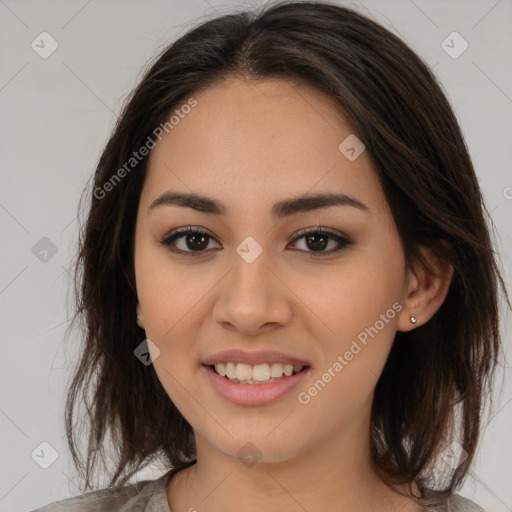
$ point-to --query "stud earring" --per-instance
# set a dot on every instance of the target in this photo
(413, 319)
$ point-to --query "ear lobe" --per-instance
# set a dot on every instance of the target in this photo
(140, 316)
(426, 292)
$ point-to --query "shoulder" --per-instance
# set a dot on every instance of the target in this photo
(460, 504)
(139, 496)
(457, 503)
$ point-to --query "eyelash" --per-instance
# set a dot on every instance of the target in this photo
(342, 240)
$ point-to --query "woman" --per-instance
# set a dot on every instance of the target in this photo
(286, 277)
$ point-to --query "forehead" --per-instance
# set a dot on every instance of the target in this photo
(253, 141)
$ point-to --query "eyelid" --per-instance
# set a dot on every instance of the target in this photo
(343, 240)
(315, 229)
(180, 232)
(340, 238)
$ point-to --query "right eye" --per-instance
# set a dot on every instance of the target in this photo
(193, 238)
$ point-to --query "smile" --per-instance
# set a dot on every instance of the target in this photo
(255, 374)
(252, 392)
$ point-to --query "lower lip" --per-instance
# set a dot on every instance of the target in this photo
(254, 394)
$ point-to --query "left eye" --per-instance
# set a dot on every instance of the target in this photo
(196, 240)
(319, 238)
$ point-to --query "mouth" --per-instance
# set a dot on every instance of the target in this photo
(256, 374)
(249, 391)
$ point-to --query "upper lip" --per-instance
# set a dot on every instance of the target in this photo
(252, 358)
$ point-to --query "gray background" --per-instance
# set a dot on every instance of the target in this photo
(56, 116)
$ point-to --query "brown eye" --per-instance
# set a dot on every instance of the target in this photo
(316, 240)
(192, 241)
(196, 242)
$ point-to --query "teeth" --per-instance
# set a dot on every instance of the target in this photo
(231, 370)
(221, 369)
(257, 373)
(276, 370)
(243, 371)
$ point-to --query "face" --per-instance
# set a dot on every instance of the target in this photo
(249, 279)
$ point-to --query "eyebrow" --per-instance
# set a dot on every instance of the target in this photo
(279, 210)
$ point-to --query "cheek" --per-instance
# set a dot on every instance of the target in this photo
(353, 296)
(358, 305)
(170, 297)
(354, 350)
(174, 299)
(168, 292)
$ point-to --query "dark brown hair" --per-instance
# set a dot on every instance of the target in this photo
(410, 132)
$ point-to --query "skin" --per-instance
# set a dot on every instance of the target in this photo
(249, 145)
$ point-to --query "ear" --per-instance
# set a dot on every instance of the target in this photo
(140, 316)
(425, 292)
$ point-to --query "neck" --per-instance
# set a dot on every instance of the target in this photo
(338, 471)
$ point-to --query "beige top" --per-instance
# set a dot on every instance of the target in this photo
(150, 496)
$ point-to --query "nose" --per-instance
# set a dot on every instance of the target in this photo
(252, 298)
